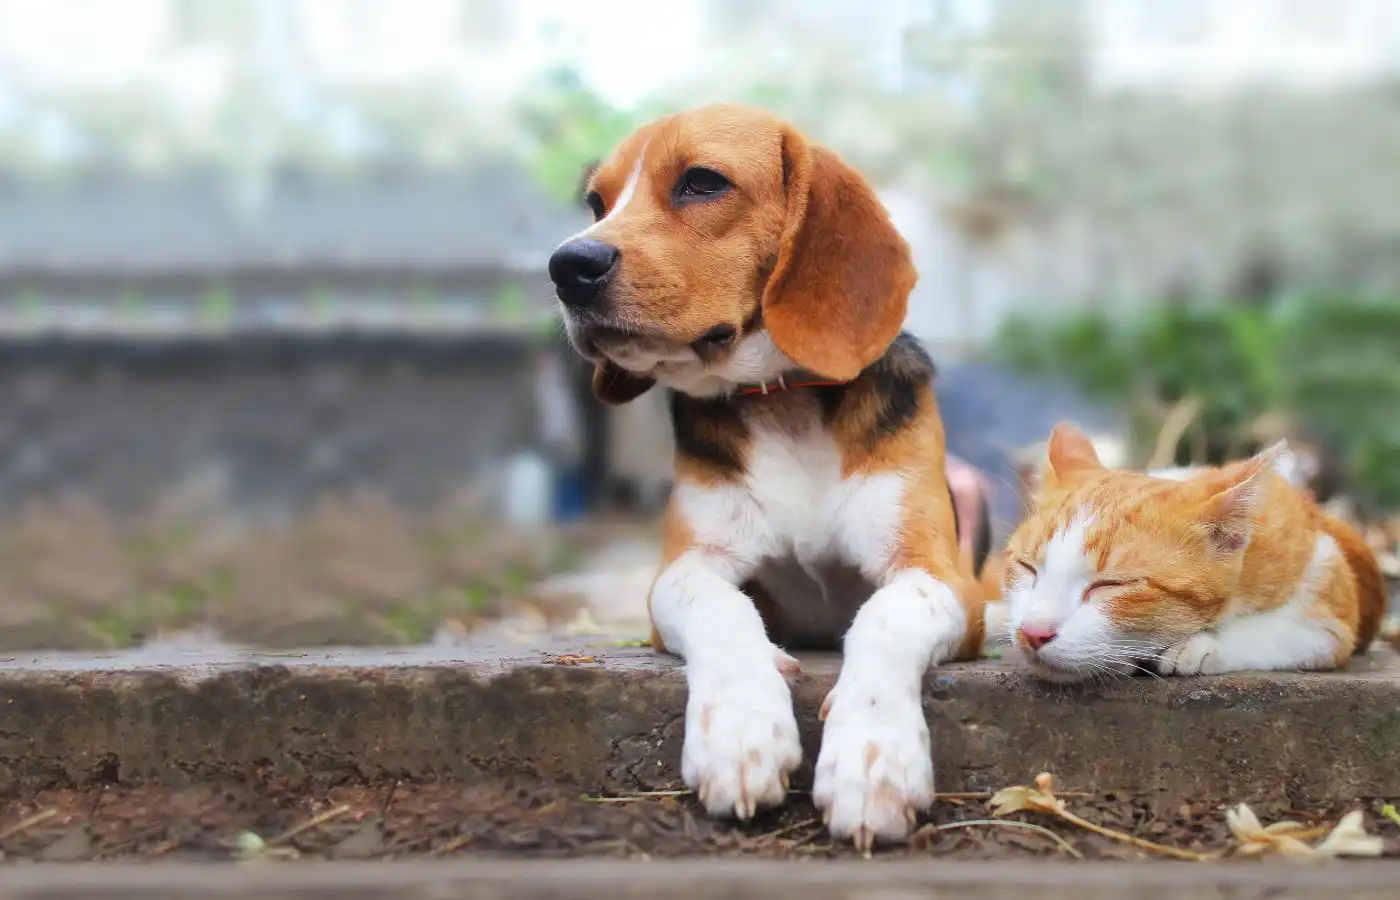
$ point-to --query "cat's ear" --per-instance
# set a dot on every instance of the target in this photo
(1239, 493)
(1070, 453)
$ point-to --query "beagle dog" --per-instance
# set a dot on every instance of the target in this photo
(756, 276)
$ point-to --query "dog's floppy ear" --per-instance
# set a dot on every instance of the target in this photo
(615, 385)
(840, 286)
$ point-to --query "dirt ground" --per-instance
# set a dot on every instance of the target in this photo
(518, 818)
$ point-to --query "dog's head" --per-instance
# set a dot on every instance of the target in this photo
(727, 249)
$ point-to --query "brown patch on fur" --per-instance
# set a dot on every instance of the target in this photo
(1068, 454)
(616, 386)
(676, 538)
(840, 290)
(988, 586)
(1371, 594)
(872, 753)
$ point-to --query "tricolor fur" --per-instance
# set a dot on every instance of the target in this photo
(730, 251)
(1186, 572)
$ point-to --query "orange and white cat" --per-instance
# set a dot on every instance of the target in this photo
(1189, 572)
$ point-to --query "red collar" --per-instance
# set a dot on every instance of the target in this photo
(800, 380)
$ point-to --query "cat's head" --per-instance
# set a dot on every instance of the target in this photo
(1110, 567)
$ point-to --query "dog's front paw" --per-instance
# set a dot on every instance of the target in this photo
(875, 771)
(741, 742)
(1200, 654)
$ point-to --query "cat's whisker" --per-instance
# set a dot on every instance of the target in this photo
(1106, 670)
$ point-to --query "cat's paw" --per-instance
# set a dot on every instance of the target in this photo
(1200, 654)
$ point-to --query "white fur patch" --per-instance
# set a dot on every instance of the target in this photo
(754, 360)
(646, 356)
(795, 504)
(1296, 635)
(740, 735)
(629, 189)
(1048, 600)
(1086, 642)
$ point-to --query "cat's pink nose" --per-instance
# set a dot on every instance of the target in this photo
(1037, 636)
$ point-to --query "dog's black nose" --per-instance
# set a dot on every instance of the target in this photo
(579, 269)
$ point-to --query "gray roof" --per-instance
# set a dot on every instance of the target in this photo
(491, 217)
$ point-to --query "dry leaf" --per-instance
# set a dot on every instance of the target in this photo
(572, 659)
(1349, 838)
(1256, 839)
(1041, 797)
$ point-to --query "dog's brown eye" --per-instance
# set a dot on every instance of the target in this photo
(698, 183)
(719, 336)
(595, 203)
(714, 341)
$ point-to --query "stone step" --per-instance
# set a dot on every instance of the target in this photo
(708, 880)
(611, 718)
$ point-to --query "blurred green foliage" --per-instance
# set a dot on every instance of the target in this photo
(571, 127)
(1331, 365)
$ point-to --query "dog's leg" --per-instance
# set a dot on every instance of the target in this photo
(875, 771)
(741, 739)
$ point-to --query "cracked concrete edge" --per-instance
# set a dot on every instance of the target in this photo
(618, 727)
(720, 880)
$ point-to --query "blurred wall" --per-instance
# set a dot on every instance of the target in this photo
(258, 425)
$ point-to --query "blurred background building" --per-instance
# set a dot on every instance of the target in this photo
(267, 266)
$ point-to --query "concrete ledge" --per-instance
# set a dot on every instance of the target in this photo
(616, 724)
(720, 880)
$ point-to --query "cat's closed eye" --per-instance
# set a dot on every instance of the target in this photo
(1103, 585)
(1030, 569)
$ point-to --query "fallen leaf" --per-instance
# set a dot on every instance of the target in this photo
(1256, 839)
(1349, 838)
(1019, 798)
(1041, 798)
(571, 659)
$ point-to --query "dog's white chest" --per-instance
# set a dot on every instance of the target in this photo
(829, 535)
(794, 482)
